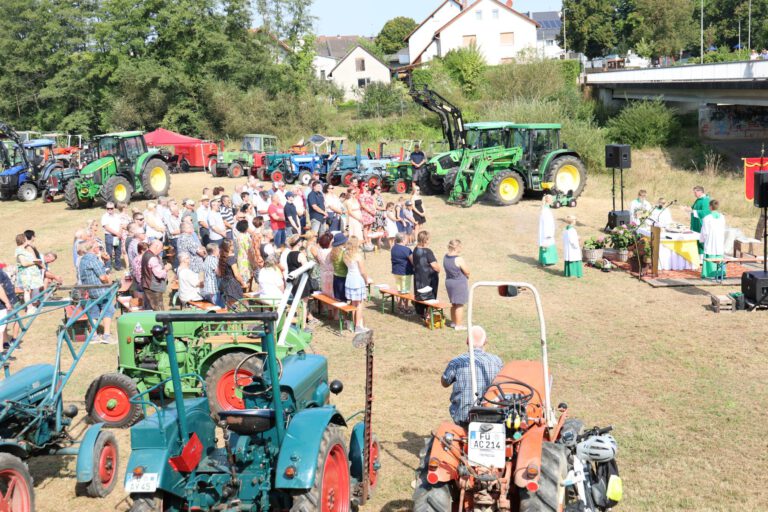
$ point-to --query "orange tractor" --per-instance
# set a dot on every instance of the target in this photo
(515, 454)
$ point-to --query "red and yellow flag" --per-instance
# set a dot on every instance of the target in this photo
(751, 166)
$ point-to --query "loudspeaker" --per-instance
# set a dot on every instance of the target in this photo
(617, 218)
(761, 189)
(754, 285)
(618, 156)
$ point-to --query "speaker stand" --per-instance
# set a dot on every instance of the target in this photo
(765, 255)
(608, 225)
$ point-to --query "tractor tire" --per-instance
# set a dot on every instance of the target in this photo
(426, 186)
(184, 165)
(450, 180)
(108, 398)
(288, 177)
(15, 477)
(346, 178)
(149, 503)
(277, 175)
(71, 198)
(235, 170)
(428, 497)
(568, 173)
(335, 180)
(400, 186)
(551, 494)
(506, 188)
(220, 380)
(305, 178)
(117, 189)
(372, 181)
(331, 489)
(27, 192)
(106, 459)
(155, 179)
(211, 167)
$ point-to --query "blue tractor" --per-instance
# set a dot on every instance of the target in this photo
(26, 165)
(285, 451)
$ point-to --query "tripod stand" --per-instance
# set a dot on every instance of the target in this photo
(765, 261)
(617, 217)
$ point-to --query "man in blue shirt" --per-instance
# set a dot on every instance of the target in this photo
(418, 160)
(91, 271)
(316, 206)
(402, 268)
(459, 374)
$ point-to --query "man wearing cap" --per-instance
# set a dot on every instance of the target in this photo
(418, 159)
(202, 220)
(277, 220)
(218, 230)
(458, 373)
(292, 223)
(190, 213)
(316, 205)
(110, 221)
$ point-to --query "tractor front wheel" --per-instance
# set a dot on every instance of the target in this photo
(108, 401)
(346, 178)
(305, 177)
(117, 190)
(450, 180)
(569, 174)
(16, 491)
(506, 188)
(155, 179)
(335, 180)
(428, 497)
(276, 176)
(27, 192)
(72, 199)
(426, 186)
(211, 167)
(372, 181)
(106, 459)
(331, 489)
(235, 170)
(220, 380)
(551, 492)
(400, 186)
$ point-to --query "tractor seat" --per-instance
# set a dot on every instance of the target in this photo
(28, 381)
(249, 421)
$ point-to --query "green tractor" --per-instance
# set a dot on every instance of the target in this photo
(124, 169)
(250, 160)
(503, 159)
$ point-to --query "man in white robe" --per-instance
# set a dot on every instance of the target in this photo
(713, 239)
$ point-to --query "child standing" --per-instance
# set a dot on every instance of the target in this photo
(571, 249)
(390, 223)
(410, 223)
(547, 249)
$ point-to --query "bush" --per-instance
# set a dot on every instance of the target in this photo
(466, 67)
(382, 100)
(644, 124)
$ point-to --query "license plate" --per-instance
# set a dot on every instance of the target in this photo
(487, 444)
(144, 483)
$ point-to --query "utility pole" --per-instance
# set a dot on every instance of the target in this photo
(749, 30)
(740, 48)
(565, 40)
(702, 31)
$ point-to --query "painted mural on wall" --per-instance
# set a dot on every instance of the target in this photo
(733, 122)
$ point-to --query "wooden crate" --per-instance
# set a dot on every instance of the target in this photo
(722, 303)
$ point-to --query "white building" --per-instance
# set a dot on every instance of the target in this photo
(499, 31)
(356, 70)
(550, 29)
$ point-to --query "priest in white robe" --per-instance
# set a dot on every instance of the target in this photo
(572, 249)
(712, 237)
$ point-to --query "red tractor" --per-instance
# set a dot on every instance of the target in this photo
(515, 454)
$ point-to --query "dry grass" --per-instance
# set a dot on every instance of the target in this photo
(683, 387)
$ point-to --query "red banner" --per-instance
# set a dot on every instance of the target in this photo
(751, 166)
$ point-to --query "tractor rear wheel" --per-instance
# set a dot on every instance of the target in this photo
(235, 170)
(335, 180)
(27, 192)
(400, 186)
(16, 491)
(220, 380)
(72, 199)
(569, 174)
(426, 186)
(108, 401)
(506, 188)
(450, 180)
(331, 489)
(428, 497)
(155, 179)
(184, 165)
(117, 189)
(346, 178)
(372, 181)
(305, 177)
(106, 458)
(551, 493)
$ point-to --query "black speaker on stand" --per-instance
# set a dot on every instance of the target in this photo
(754, 285)
(618, 156)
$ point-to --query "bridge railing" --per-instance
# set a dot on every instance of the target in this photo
(720, 72)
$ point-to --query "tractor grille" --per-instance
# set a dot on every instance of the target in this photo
(446, 162)
(10, 182)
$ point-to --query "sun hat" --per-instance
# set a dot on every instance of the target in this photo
(339, 239)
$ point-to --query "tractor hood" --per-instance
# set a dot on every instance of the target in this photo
(11, 171)
(97, 166)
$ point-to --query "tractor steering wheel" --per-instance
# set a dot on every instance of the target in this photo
(240, 365)
(500, 393)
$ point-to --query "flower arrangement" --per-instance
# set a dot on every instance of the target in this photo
(595, 243)
(622, 237)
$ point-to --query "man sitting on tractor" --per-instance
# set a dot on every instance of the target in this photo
(458, 373)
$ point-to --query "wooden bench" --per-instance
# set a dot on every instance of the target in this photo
(433, 307)
(346, 311)
(722, 263)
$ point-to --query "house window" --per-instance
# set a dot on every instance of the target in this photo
(469, 40)
(359, 64)
(479, 15)
(507, 38)
(495, 14)
(550, 42)
(362, 82)
(322, 74)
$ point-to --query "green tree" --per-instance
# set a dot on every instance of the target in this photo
(289, 20)
(590, 26)
(392, 36)
(382, 100)
(669, 24)
(466, 66)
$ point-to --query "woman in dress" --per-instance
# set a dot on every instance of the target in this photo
(368, 211)
(244, 250)
(355, 220)
(547, 248)
(355, 287)
(381, 209)
(29, 276)
(325, 263)
(333, 207)
(418, 209)
(339, 267)
(390, 224)
(426, 273)
(457, 283)
(231, 283)
(297, 258)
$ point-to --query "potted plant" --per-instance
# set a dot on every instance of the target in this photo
(593, 249)
(622, 237)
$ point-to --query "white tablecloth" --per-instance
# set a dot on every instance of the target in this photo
(669, 259)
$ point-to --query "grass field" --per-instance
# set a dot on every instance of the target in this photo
(683, 387)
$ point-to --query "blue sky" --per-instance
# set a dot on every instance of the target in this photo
(366, 17)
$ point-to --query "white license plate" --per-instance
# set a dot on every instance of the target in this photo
(145, 483)
(487, 444)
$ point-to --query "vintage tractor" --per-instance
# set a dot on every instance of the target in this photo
(211, 349)
(284, 451)
(250, 160)
(26, 165)
(514, 453)
(33, 418)
(124, 169)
